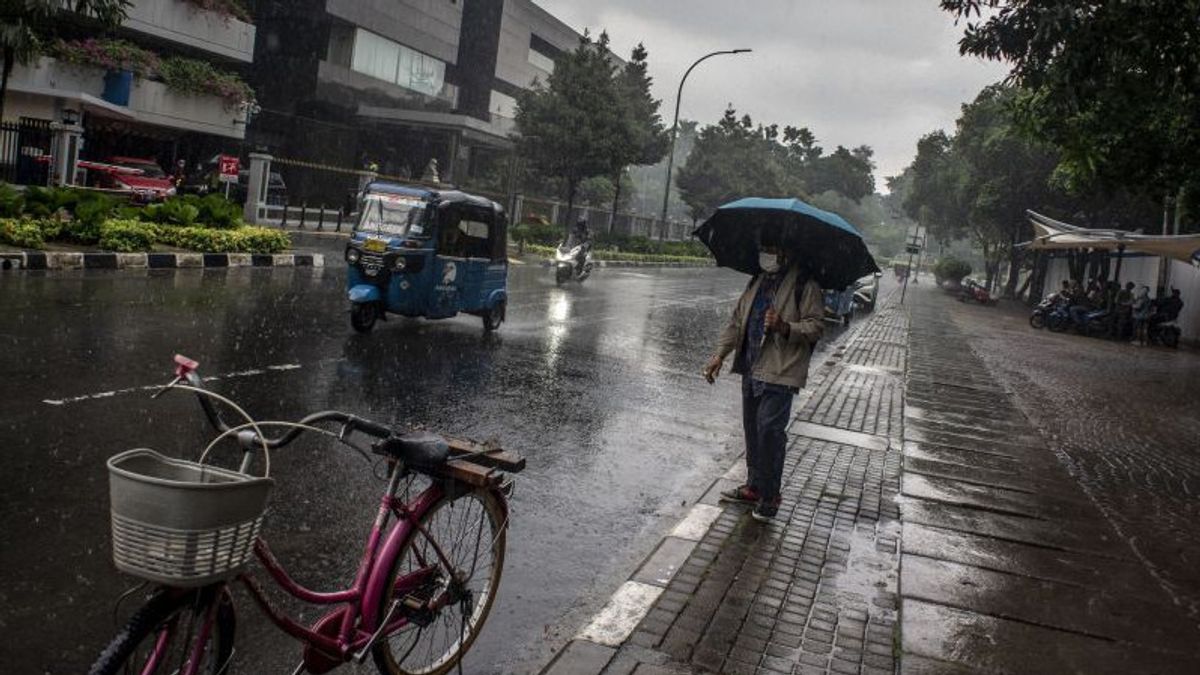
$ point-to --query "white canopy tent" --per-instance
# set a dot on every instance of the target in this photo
(1054, 234)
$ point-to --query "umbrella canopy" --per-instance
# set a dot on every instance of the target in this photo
(832, 251)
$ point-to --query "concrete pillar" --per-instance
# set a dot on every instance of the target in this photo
(256, 189)
(66, 143)
(518, 205)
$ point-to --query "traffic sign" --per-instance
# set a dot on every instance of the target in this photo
(227, 168)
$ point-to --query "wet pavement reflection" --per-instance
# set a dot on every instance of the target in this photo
(597, 385)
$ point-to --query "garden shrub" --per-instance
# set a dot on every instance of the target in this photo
(127, 236)
(533, 232)
(22, 233)
(11, 201)
(951, 269)
(239, 240)
(172, 212)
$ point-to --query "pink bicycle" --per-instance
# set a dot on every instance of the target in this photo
(429, 572)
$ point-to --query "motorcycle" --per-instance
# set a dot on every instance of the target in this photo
(866, 290)
(1166, 334)
(1037, 319)
(1092, 322)
(974, 291)
(567, 267)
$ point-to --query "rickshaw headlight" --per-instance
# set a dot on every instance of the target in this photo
(399, 264)
(352, 254)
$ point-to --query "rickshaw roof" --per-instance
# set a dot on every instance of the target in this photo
(430, 194)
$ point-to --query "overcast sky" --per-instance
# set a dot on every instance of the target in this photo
(879, 72)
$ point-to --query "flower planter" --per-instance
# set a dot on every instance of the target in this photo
(118, 84)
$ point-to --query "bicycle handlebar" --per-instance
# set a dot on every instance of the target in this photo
(351, 422)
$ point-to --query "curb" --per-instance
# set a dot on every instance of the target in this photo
(39, 260)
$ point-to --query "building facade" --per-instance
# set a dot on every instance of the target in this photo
(394, 84)
(79, 109)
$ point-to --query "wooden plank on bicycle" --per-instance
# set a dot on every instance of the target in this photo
(481, 454)
(471, 474)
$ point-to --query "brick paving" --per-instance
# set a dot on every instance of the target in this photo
(814, 591)
(1000, 561)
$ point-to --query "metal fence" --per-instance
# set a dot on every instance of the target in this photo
(25, 152)
(528, 209)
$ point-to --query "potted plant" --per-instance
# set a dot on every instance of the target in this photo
(122, 60)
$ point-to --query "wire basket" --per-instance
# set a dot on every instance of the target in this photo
(182, 523)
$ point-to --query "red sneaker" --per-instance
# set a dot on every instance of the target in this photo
(742, 494)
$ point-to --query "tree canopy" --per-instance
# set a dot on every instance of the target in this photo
(1112, 85)
(736, 158)
(590, 120)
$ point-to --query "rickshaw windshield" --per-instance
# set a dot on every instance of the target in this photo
(393, 215)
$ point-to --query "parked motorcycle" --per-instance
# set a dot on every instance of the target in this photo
(1166, 334)
(1041, 313)
(866, 290)
(1093, 322)
(566, 264)
(974, 291)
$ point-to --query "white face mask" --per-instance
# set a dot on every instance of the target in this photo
(769, 262)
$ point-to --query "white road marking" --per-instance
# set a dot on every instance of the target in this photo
(695, 525)
(622, 614)
(155, 387)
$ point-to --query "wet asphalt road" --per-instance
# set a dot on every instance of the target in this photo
(597, 386)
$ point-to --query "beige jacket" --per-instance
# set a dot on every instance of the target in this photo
(783, 360)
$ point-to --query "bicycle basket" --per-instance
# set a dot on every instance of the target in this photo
(182, 523)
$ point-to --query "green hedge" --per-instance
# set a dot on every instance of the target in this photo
(22, 233)
(210, 223)
(128, 235)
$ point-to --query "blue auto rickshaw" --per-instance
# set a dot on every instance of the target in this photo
(425, 252)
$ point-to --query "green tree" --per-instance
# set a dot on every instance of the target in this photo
(24, 22)
(570, 127)
(1112, 85)
(847, 172)
(648, 181)
(734, 159)
(645, 140)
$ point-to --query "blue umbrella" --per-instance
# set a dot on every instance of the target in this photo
(830, 249)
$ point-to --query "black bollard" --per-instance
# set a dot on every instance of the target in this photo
(303, 214)
(339, 222)
(321, 218)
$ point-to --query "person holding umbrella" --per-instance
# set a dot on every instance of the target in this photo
(791, 249)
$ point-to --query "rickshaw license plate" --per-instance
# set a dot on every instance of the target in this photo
(375, 245)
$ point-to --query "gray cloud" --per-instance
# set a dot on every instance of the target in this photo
(879, 72)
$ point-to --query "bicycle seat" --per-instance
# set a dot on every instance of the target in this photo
(419, 449)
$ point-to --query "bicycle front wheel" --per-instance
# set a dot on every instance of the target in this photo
(161, 636)
(471, 530)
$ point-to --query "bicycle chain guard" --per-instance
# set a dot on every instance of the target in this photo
(315, 660)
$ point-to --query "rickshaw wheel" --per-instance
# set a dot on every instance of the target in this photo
(493, 317)
(363, 316)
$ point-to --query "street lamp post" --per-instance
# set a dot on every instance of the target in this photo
(675, 125)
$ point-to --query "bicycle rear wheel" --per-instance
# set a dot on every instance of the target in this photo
(471, 530)
(160, 636)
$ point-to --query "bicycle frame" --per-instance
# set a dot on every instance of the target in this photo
(358, 620)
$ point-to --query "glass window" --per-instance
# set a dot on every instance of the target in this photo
(503, 105)
(420, 72)
(382, 58)
(541, 60)
(375, 55)
(393, 215)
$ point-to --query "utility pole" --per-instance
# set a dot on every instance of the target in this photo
(913, 247)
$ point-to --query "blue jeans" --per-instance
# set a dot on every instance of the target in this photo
(765, 419)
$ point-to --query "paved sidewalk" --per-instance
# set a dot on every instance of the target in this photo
(1008, 565)
(1001, 562)
(814, 591)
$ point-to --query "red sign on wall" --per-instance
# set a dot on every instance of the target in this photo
(227, 168)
